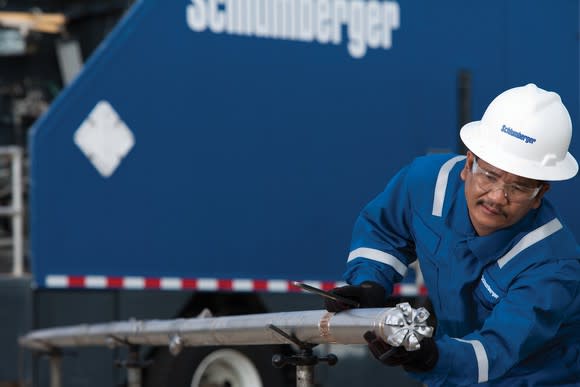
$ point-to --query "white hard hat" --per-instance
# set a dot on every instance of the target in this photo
(525, 131)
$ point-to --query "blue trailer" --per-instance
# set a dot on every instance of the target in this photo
(222, 149)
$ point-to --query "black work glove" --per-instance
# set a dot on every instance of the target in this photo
(421, 360)
(368, 294)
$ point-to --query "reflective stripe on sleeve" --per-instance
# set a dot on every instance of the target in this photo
(481, 357)
(441, 184)
(379, 256)
(531, 238)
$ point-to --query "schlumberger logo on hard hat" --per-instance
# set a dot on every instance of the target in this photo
(369, 24)
(518, 135)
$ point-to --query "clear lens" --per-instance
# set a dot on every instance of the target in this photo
(487, 182)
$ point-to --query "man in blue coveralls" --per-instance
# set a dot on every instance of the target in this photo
(501, 267)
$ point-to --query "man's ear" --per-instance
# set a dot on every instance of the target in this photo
(538, 199)
(468, 164)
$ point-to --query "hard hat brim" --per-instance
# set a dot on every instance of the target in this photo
(494, 154)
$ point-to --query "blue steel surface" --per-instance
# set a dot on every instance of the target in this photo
(254, 156)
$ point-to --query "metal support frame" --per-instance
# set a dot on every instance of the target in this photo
(133, 366)
(133, 363)
(15, 209)
(55, 368)
(55, 356)
(304, 361)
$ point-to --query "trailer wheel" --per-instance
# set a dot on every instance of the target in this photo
(243, 366)
(226, 367)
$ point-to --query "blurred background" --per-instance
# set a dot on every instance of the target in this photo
(32, 67)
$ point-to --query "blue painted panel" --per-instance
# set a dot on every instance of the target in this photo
(253, 156)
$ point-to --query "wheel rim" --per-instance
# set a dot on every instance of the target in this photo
(226, 368)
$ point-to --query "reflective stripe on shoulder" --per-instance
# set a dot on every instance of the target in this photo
(529, 239)
(441, 184)
(379, 256)
(481, 357)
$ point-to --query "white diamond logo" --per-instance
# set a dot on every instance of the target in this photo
(104, 138)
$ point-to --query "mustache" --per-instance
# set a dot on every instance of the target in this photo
(492, 205)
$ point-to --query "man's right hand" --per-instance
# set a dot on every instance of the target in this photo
(421, 360)
(368, 294)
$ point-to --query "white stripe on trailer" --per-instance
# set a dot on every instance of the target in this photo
(170, 283)
(243, 285)
(207, 284)
(278, 286)
(133, 282)
(96, 282)
(57, 281)
(408, 290)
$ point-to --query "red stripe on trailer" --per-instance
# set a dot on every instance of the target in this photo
(188, 283)
(76, 281)
(152, 283)
(328, 285)
(396, 289)
(225, 284)
(260, 285)
(115, 282)
(293, 288)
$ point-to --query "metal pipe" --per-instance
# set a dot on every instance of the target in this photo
(399, 326)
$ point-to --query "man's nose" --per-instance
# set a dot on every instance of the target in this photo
(498, 194)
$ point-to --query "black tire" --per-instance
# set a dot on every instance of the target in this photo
(170, 371)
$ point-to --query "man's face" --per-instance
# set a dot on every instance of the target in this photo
(497, 199)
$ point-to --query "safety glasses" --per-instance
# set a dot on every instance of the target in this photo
(488, 181)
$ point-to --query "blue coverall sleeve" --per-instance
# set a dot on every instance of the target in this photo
(381, 247)
(528, 317)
